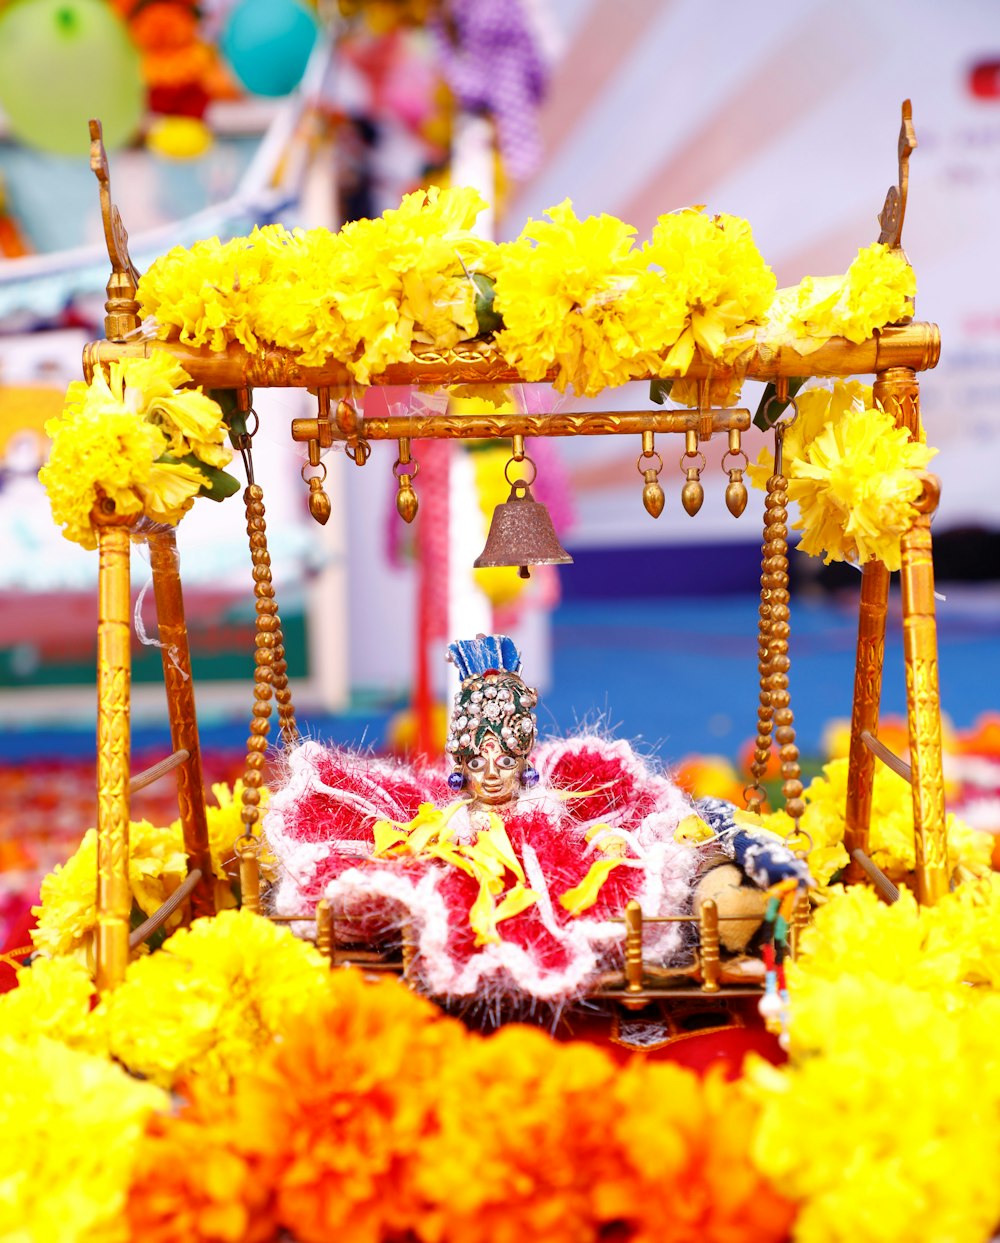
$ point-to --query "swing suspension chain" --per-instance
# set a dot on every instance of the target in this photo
(270, 674)
(774, 714)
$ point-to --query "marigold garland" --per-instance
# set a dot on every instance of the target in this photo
(378, 1117)
(363, 295)
(895, 1074)
(67, 915)
(139, 438)
(70, 1127)
(570, 297)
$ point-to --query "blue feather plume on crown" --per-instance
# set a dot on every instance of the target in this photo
(484, 652)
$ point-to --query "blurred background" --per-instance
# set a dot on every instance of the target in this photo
(231, 113)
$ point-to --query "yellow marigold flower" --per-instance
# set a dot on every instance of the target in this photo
(52, 999)
(711, 267)
(225, 825)
(208, 294)
(857, 488)
(894, 1074)
(877, 289)
(891, 841)
(120, 437)
(573, 296)
(210, 998)
(818, 407)
(900, 1101)
(70, 1123)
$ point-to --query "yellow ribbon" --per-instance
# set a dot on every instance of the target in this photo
(488, 860)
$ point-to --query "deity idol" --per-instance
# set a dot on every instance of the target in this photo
(509, 875)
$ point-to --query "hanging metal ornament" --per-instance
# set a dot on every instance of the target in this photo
(736, 489)
(652, 492)
(692, 494)
(521, 531)
(407, 503)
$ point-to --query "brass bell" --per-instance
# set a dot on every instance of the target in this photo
(522, 534)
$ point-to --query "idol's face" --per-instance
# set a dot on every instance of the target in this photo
(492, 777)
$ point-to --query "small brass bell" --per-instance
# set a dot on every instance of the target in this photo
(522, 534)
(736, 493)
(319, 502)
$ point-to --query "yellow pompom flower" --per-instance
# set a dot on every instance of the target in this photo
(67, 916)
(894, 1077)
(877, 289)
(817, 408)
(857, 488)
(210, 997)
(52, 999)
(853, 473)
(711, 267)
(122, 437)
(208, 294)
(572, 294)
(891, 841)
(886, 1125)
(70, 1123)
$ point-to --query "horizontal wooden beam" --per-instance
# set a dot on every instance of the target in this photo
(502, 426)
(916, 345)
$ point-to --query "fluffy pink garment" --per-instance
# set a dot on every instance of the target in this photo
(319, 826)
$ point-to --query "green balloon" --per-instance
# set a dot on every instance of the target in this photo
(63, 62)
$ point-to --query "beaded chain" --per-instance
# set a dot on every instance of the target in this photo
(774, 713)
(270, 666)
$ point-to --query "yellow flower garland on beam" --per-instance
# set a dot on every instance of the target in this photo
(569, 295)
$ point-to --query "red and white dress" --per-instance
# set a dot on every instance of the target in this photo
(595, 800)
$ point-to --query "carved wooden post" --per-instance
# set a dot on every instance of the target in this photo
(923, 700)
(864, 716)
(176, 652)
(114, 671)
(249, 876)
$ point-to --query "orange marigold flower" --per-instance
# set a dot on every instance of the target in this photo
(347, 1101)
(195, 1180)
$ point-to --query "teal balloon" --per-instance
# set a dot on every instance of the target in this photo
(63, 62)
(268, 43)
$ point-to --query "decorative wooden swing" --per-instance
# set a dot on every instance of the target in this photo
(894, 356)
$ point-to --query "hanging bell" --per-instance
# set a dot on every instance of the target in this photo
(522, 534)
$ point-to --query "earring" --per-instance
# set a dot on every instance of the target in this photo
(456, 781)
(529, 777)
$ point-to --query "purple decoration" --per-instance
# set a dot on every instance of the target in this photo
(492, 62)
(529, 777)
(456, 781)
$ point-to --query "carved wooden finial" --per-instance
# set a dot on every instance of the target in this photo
(122, 316)
(894, 209)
